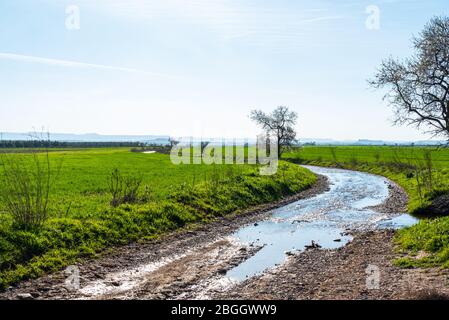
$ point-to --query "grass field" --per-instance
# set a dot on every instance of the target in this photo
(397, 163)
(82, 222)
(422, 171)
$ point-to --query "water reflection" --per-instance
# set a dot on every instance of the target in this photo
(325, 219)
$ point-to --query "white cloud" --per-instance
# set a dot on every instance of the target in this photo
(74, 64)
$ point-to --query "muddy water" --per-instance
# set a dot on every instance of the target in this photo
(216, 265)
(324, 219)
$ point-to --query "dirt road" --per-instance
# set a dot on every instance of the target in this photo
(193, 264)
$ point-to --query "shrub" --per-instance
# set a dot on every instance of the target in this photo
(25, 187)
(123, 189)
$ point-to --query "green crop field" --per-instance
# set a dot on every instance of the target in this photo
(82, 222)
(401, 164)
(373, 154)
(424, 174)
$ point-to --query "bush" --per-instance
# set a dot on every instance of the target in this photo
(123, 189)
(25, 187)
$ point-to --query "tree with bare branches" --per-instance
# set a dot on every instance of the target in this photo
(418, 87)
(280, 124)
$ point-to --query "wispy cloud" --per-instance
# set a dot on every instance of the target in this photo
(76, 64)
(231, 20)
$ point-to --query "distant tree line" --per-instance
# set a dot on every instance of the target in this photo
(9, 144)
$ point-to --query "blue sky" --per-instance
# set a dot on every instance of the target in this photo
(198, 67)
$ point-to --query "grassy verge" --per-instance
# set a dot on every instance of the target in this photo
(427, 243)
(82, 223)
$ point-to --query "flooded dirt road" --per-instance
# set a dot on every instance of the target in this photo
(233, 256)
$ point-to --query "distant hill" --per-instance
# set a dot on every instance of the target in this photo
(368, 142)
(164, 139)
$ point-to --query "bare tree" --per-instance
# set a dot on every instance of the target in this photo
(280, 124)
(418, 87)
(204, 145)
(173, 142)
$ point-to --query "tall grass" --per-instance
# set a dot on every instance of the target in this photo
(334, 155)
(25, 187)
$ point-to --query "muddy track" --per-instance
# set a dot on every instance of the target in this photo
(192, 264)
(341, 274)
(187, 264)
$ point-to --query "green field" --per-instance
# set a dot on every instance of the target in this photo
(83, 223)
(398, 163)
(422, 171)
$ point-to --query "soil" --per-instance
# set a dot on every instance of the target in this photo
(346, 274)
(396, 202)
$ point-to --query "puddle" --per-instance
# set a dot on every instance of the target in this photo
(399, 222)
(324, 219)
